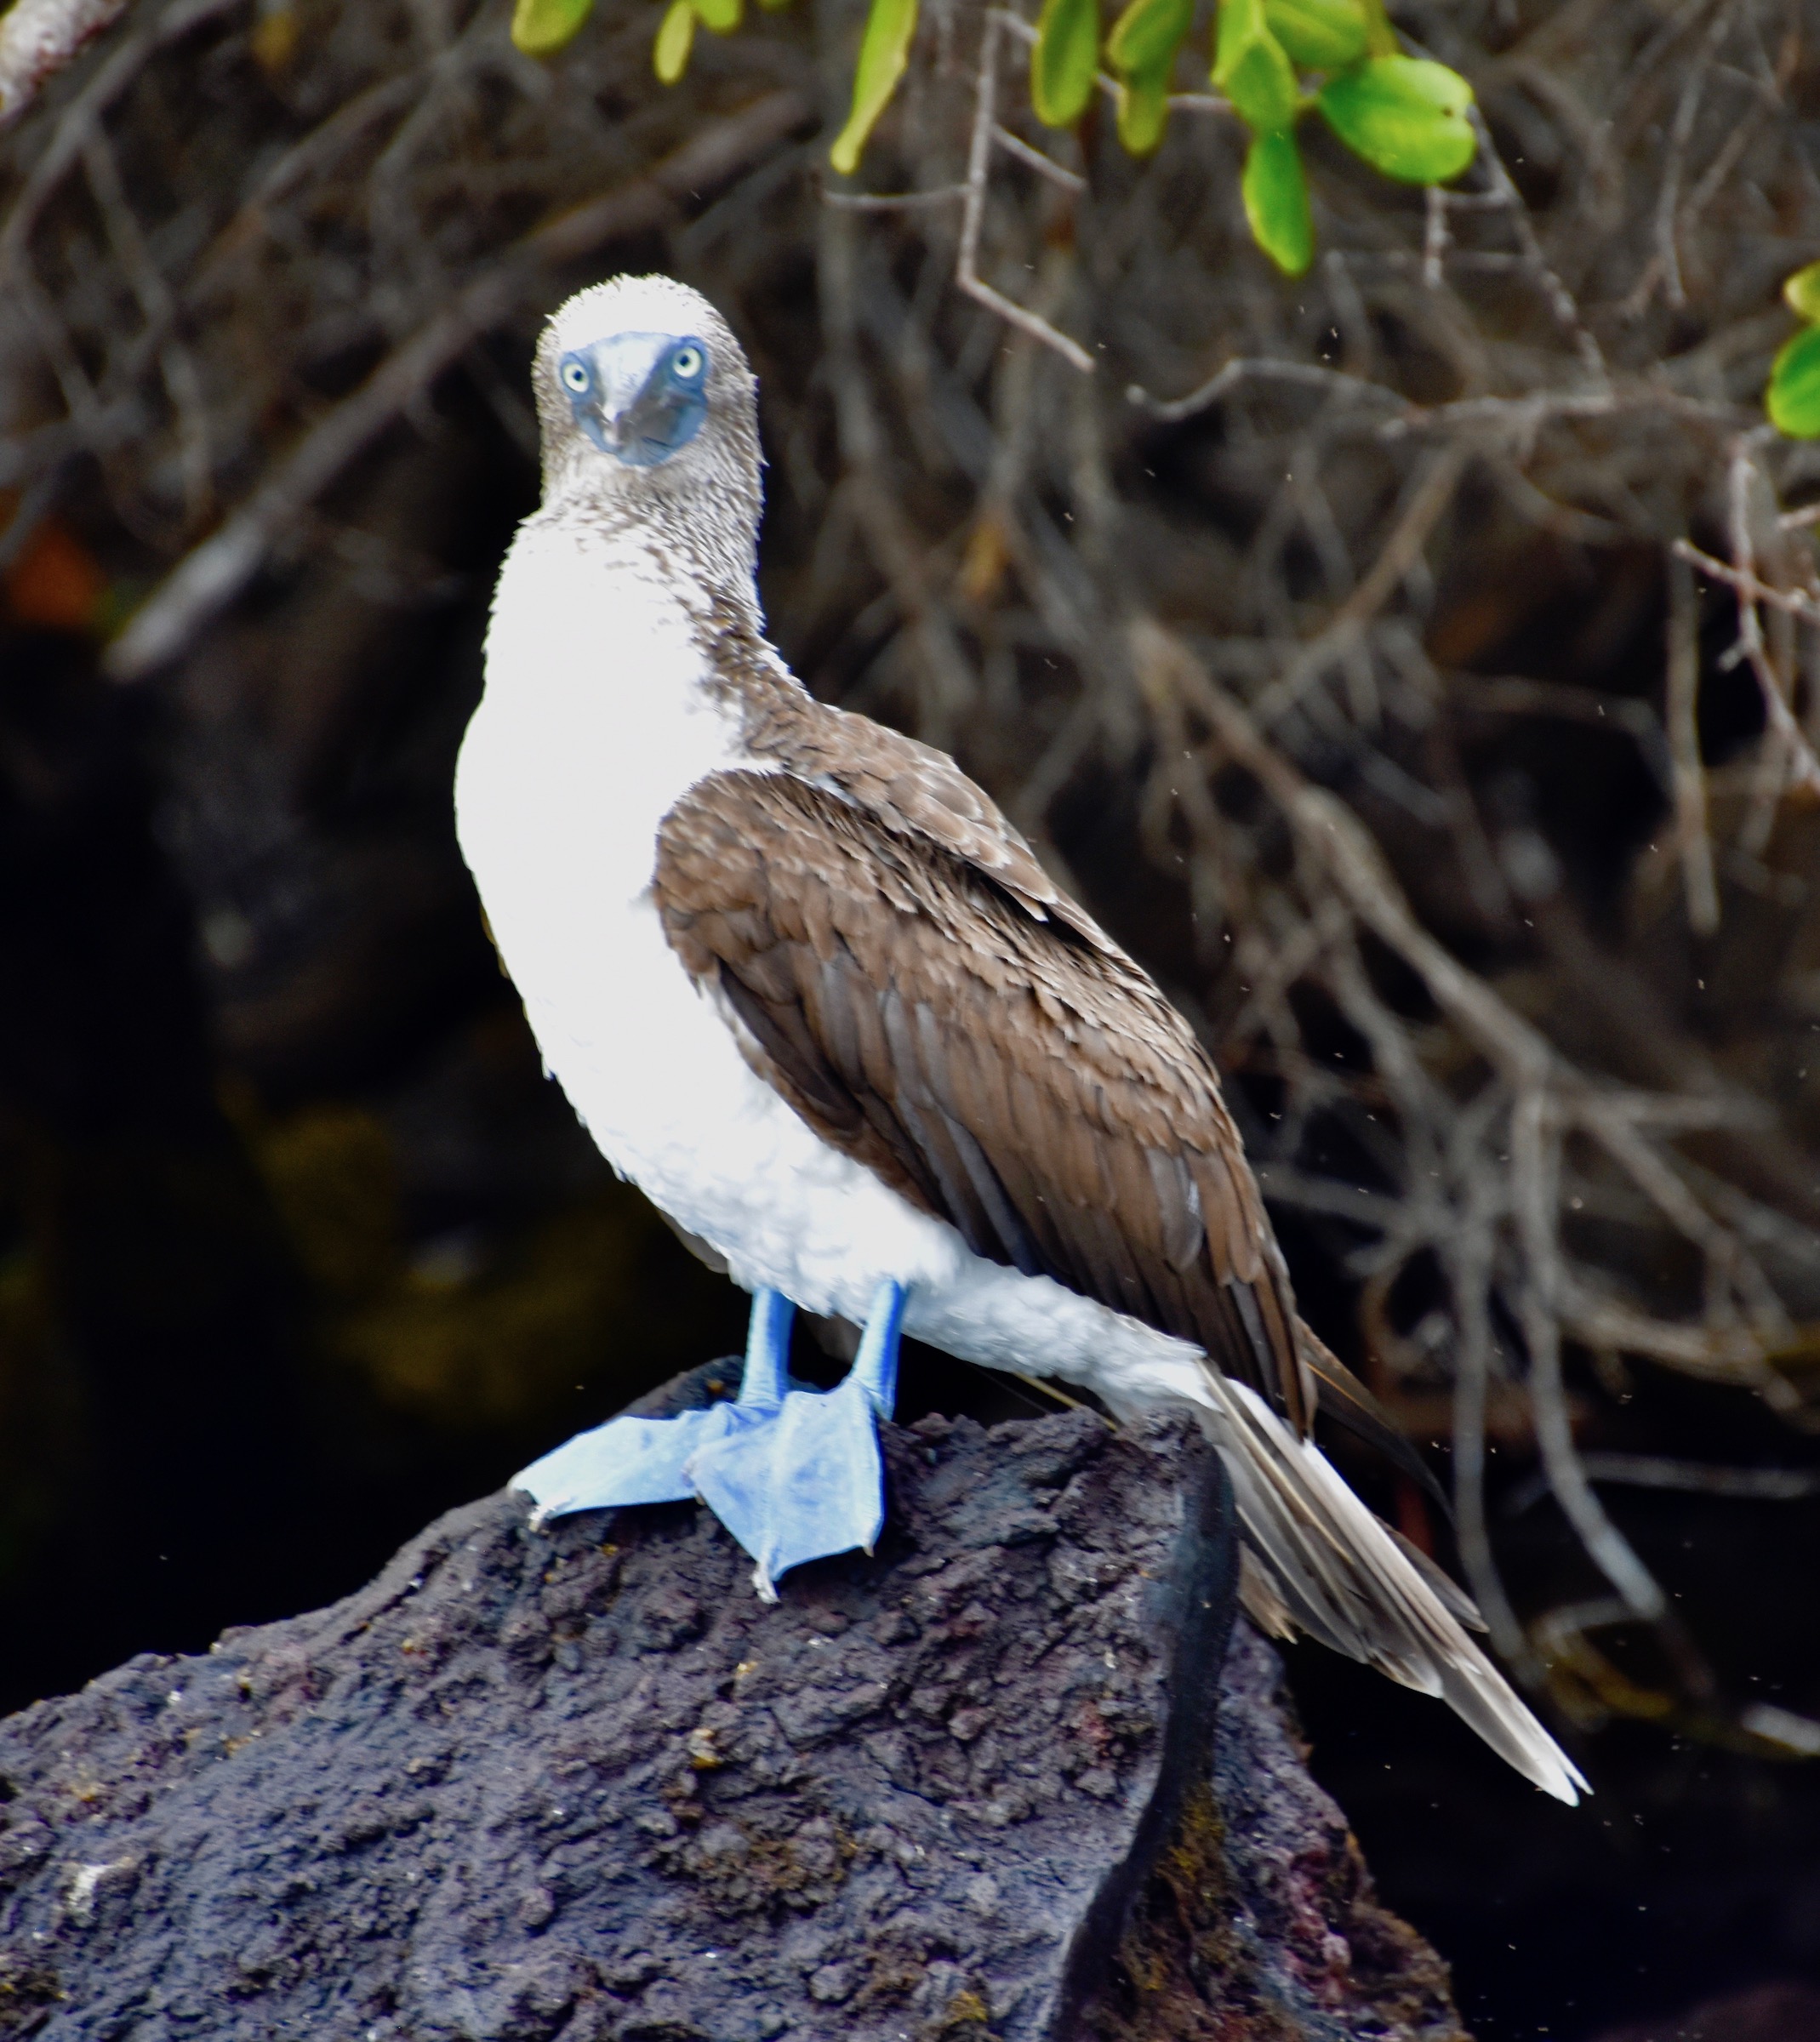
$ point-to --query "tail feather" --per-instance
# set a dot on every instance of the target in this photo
(1337, 1573)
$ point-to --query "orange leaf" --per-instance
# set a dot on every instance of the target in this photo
(56, 584)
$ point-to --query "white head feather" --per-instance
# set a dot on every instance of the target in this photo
(709, 494)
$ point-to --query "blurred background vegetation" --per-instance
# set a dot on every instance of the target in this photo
(1415, 664)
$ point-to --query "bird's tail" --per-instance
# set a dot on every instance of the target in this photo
(1324, 1564)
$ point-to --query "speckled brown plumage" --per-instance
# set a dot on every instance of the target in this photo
(903, 971)
(911, 787)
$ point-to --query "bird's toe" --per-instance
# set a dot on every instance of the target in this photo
(807, 1483)
(626, 1461)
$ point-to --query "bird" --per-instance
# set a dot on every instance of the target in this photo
(808, 988)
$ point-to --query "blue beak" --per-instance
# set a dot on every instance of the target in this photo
(640, 397)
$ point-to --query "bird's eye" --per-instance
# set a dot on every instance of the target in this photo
(575, 376)
(687, 363)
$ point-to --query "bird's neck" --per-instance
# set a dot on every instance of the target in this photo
(577, 588)
(701, 539)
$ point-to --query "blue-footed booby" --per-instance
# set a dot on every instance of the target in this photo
(809, 989)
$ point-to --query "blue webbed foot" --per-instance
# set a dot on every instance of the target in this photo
(643, 1460)
(808, 1481)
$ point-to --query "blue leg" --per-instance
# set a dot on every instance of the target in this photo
(810, 1482)
(767, 1350)
(641, 1460)
(875, 1366)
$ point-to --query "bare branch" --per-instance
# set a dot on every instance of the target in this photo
(1534, 1164)
(1429, 496)
(1798, 764)
(986, 134)
(1307, 375)
(1684, 747)
(219, 569)
(137, 47)
(40, 37)
(1694, 1478)
(1034, 159)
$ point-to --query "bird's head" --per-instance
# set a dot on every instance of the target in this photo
(647, 405)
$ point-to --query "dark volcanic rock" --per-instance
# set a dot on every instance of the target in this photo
(583, 1784)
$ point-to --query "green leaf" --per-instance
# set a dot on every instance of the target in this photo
(1250, 68)
(1144, 112)
(1794, 399)
(676, 37)
(541, 27)
(1276, 202)
(1802, 291)
(1405, 116)
(1319, 35)
(883, 53)
(1147, 34)
(1142, 48)
(722, 16)
(1380, 38)
(1062, 60)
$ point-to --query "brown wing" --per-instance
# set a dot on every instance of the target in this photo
(913, 788)
(1017, 1076)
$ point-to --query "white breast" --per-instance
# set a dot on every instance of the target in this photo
(593, 724)
(595, 721)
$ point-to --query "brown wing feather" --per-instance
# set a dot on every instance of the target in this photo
(1003, 1066)
(909, 786)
